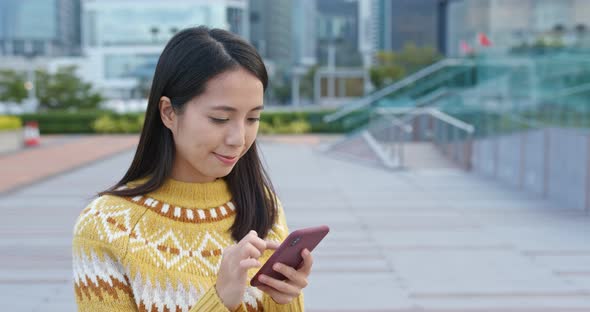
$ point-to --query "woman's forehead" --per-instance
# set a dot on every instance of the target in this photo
(236, 90)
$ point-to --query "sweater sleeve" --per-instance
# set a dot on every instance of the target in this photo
(210, 301)
(100, 282)
(102, 285)
(98, 248)
(280, 232)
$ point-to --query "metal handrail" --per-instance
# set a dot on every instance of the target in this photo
(366, 101)
(396, 157)
(457, 123)
(413, 112)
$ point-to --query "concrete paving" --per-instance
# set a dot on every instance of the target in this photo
(419, 240)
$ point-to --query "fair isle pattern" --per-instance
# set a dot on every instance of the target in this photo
(192, 215)
(110, 222)
(166, 247)
(169, 248)
(102, 278)
(99, 278)
(157, 297)
(127, 255)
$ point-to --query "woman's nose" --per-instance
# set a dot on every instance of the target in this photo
(236, 136)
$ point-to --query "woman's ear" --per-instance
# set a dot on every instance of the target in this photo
(167, 113)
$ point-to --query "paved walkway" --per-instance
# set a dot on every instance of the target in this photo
(57, 155)
(421, 240)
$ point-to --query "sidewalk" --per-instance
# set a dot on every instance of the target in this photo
(422, 240)
(58, 155)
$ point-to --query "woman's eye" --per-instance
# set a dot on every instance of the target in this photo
(218, 120)
(254, 119)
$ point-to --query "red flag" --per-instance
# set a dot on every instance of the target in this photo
(484, 41)
(465, 47)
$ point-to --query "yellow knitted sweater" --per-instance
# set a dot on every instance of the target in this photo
(162, 251)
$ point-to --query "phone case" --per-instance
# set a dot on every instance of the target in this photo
(289, 252)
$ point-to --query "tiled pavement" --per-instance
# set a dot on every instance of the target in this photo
(420, 240)
(57, 155)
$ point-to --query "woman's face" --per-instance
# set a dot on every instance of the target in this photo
(216, 128)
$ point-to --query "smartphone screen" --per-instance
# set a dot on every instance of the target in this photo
(289, 252)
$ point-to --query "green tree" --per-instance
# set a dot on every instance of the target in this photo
(64, 90)
(12, 86)
(393, 66)
(413, 58)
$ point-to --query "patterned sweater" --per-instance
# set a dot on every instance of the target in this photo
(162, 251)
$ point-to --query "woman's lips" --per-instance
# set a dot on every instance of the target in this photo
(226, 159)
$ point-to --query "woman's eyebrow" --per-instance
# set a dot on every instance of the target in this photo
(232, 109)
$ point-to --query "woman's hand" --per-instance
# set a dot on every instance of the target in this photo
(283, 292)
(235, 263)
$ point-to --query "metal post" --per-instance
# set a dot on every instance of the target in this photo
(521, 181)
(468, 151)
(456, 143)
(331, 67)
(295, 90)
(587, 208)
(30, 84)
(342, 87)
(317, 86)
(546, 163)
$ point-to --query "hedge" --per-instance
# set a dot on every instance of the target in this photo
(62, 122)
(10, 123)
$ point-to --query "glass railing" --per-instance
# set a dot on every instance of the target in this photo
(537, 92)
(495, 94)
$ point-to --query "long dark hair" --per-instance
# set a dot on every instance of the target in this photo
(190, 59)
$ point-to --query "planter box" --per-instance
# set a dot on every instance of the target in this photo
(11, 140)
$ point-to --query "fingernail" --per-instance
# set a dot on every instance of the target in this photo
(277, 267)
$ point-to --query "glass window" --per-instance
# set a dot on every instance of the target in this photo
(115, 26)
(130, 65)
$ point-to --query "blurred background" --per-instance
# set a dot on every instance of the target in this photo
(418, 94)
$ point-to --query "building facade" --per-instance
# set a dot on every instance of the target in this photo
(40, 28)
(400, 22)
(123, 40)
(511, 24)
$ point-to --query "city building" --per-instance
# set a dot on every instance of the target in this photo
(40, 28)
(122, 39)
(498, 26)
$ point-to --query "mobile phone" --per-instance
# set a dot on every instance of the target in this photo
(289, 252)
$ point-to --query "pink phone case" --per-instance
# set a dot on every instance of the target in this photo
(289, 252)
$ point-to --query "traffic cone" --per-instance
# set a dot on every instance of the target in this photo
(32, 136)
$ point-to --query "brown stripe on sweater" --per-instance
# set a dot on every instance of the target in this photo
(183, 211)
(101, 287)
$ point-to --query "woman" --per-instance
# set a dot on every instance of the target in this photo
(195, 215)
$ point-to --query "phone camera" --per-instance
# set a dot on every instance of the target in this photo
(295, 241)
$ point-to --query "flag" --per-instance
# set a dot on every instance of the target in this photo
(465, 48)
(483, 40)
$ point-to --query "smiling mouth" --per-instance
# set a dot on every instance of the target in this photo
(226, 157)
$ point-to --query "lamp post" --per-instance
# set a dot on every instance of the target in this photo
(297, 72)
(154, 30)
(30, 55)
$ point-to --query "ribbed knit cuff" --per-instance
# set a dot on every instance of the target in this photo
(210, 301)
(269, 305)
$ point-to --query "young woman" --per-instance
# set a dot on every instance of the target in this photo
(195, 215)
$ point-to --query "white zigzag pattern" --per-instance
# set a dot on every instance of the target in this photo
(98, 215)
(156, 295)
(182, 296)
(93, 267)
(150, 242)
